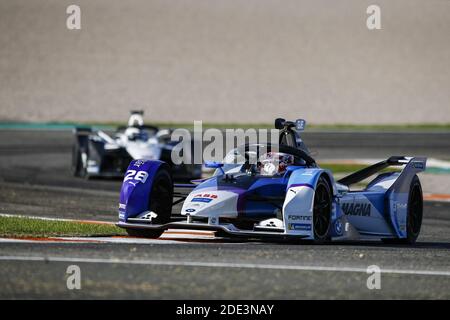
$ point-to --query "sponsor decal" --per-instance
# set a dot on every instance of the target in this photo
(149, 216)
(204, 197)
(299, 218)
(190, 210)
(357, 209)
(122, 206)
(418, 165)
(205, 200)
(139, 163)
(338, 227)
(271, 224)
(299, 226)
(400, 205)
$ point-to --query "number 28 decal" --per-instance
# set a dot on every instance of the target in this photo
(136, 175)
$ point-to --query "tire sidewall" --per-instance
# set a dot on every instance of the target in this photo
(321, 239)
(163, 210)
(78, 168)
(411, 236)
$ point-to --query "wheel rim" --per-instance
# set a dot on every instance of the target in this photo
(415, 211)
(321, 217)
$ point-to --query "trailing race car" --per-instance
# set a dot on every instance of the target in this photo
(277, 192)
(96, 154)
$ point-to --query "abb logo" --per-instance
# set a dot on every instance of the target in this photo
(206, 195)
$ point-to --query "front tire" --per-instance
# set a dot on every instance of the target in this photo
(322, 211)
(160, 202)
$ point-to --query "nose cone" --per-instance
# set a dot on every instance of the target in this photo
(211, 203)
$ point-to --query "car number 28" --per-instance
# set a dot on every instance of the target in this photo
(136, 175)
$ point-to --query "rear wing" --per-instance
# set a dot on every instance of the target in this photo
(418, 163)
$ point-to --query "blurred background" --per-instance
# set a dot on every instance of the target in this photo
(228, 61)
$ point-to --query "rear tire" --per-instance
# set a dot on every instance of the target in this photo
(160, 202)
(414, 215)
(322, 211)
(80, 146)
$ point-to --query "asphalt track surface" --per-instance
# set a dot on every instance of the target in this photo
(35, 180)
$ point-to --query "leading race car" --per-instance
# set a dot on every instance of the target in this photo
(96, 154)
(277, 192)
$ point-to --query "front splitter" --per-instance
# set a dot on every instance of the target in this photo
(227, 229)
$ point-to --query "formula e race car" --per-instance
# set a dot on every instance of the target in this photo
(277, 192)
(96, 154)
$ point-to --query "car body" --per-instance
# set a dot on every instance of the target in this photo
(97, 154)
(301, 202)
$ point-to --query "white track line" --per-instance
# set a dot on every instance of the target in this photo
(93, 240)
(176, 239)
(222, 265)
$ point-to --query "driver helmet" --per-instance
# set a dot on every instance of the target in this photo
(272, 163)
(136, 120)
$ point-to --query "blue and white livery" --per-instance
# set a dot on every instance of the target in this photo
(278, 192)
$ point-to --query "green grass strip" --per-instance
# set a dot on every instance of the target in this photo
(32, 227)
